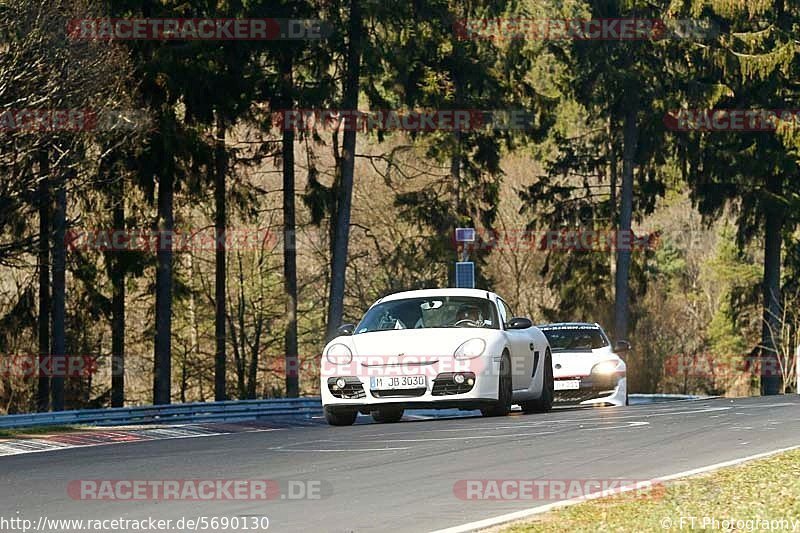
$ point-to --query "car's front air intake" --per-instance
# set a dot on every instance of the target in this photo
(352, 389)
(447, 384)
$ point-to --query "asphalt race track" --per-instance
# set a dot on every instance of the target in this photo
(401, 477)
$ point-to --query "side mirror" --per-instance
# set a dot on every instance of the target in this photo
(622, 346)
(345, 329)
(519, 323)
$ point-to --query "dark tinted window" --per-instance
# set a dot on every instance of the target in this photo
(575, 338)
(433, 312)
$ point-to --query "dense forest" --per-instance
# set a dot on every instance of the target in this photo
(188, 219)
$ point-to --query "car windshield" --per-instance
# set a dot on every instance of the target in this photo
(433, 312)
(578, 338)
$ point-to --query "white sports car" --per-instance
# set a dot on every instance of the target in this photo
(436, 348)
(587, 370)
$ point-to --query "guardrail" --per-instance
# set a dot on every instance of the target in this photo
(211, 412)
(185, 412)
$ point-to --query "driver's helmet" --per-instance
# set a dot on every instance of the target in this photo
(468, 312)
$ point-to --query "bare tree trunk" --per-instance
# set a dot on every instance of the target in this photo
(184, 374)
(59, 290)
(456, 159)
(612, 178)
(252, 371)
(193, 328)
(612, 166)
(289, 241)
(771, 289)
(45, 204)
(118, 301)
(342, 230)
(162, 372)
(456, 162)
(622, 293)
(455, 176)
(237, 348)
(241, 353)
(220, 274)
(334, 194)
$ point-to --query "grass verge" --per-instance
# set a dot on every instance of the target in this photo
(766, 489)
(32, 432)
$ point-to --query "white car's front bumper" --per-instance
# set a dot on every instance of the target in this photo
(440, 391)
(591, 393)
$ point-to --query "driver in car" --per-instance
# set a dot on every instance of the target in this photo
(468, 312)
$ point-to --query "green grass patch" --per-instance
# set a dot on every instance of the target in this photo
(34, 431)
(766, 489)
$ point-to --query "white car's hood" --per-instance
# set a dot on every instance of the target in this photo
(580, 363)
(429, 343)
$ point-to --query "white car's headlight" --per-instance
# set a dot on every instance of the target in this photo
(605, 368)
(339, 354)
(470, 349)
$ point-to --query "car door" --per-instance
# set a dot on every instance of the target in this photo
(522, 349)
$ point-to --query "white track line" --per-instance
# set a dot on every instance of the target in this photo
(334, 450)
(526, 513)
(504, 436)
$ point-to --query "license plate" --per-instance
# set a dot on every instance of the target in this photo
(568, 384)
(397, 382)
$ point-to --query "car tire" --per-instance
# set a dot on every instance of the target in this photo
(545, 402)
(340, 417)
(387, 416)
(504, 391)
